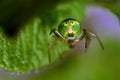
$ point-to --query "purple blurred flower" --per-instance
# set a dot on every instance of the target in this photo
(102, 21)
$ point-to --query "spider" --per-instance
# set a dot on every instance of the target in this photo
(70, 32)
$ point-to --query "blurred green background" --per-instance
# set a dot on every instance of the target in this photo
(24, 40)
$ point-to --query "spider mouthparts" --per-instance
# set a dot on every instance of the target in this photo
(71, 45)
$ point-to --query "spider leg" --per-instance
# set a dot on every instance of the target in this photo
(49, 47)
(94, 35)
(88, 34)
(58, 50)
(56, 36)
(80, 36)
(87, 38)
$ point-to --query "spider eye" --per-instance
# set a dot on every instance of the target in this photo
(73, 22)
(65, 24)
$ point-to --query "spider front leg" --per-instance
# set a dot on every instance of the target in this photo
(87, 35)
(87, 38)
(57, 36)
(94, 35)
(49, 47)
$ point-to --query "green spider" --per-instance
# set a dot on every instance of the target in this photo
(70, 32)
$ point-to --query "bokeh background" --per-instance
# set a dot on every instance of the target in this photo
(24, 40)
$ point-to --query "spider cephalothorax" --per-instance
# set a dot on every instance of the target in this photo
(70, 32)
